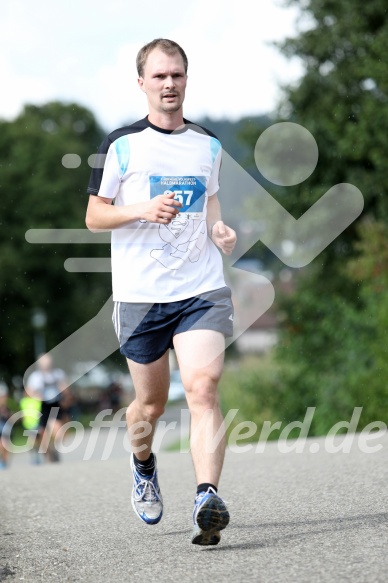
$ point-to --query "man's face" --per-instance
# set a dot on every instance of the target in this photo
(164, 81)
(45, 363)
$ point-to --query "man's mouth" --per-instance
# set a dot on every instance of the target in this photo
(169, 95)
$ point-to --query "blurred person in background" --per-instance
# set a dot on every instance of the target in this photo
(5, 431)
(69, 406)
(48, 384)
(115, 392)
(31, 409)
(111, 397)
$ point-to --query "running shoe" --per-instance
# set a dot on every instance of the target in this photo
(210, 515)
(147, 500)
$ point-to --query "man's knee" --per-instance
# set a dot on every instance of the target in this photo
(202, 392)
(148, 411)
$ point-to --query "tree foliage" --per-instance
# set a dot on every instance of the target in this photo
(342, 98)
(38, 191)
(334, 324)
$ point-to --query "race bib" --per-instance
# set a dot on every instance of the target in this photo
(189, 190)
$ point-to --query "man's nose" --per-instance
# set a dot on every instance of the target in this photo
(169, 82)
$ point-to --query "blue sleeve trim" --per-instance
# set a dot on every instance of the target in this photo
(215, 147)
(122, 153)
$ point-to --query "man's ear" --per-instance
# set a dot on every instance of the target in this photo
(141, 83)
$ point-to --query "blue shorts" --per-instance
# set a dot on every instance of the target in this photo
(145, 331)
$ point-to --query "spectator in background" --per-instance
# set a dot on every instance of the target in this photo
(5, 432)
(69, 406)
(48, 384)
(31, 409)
(115, 392)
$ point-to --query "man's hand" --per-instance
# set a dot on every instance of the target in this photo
(224, 237)
(161, 209)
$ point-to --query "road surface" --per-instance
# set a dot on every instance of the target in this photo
(305, 517)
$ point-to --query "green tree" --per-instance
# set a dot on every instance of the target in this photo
(370, 270)
(342, 98)
(38, 191)
(327, 345)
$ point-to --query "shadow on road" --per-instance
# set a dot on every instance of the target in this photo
(332, 525)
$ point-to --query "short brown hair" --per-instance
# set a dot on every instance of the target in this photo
(164, 44)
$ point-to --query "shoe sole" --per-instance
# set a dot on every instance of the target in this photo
(212, 516)
(205, 537)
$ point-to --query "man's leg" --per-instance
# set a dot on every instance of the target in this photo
(151, 382)
(200, 355)
(52, 429)
(48, 430)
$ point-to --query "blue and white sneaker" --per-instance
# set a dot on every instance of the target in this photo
(210, 515)
(147, 500)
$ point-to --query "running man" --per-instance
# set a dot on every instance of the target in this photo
(169, 291)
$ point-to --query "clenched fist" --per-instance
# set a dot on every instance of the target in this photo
(224, 237)
(161, 209)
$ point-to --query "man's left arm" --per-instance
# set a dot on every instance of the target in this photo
(222, 236)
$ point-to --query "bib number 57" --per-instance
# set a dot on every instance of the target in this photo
(180, 194)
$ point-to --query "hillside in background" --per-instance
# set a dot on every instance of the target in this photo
(231, 135)
(238, 139)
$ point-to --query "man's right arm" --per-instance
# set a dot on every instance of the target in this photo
(102, 215)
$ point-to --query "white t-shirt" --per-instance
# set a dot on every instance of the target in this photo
(46, 385)
(152, 262)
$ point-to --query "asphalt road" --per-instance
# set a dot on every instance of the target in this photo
(295, 517)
